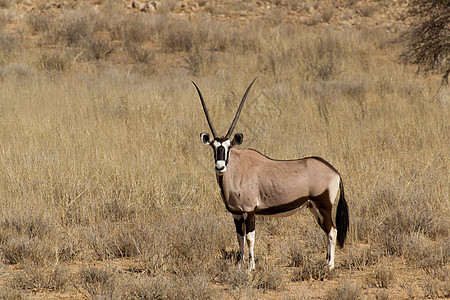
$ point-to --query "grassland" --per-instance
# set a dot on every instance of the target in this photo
(107, 193)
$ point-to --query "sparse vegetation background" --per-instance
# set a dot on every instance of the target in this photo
(107, 193)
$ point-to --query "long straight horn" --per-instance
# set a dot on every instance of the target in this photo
(236, 117)
(213, 131)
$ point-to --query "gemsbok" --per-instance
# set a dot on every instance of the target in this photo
(253, 184)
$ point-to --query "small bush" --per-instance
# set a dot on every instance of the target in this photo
(268, 276)
(324, 58)
(59, 61)
(4, 19)
(437, 284)
(359, 259)
(384, 276)
(98, 282)
(140, 54)
(97, 48)
(40, 22)
(179, 37)
(73, 27)
(166, 6)
(237, 277)
(347, 290)
(18, 249)
(200, 62)
(7, 293)
(9, 42)
(311, 269)
(108, 242)
(367, 10)
(39, 278)
(327, 14)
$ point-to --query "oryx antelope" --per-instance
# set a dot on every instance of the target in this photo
(253, 184)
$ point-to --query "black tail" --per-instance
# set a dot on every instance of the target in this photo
(342, 217)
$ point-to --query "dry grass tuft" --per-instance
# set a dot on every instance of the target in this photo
(40, 278)
(347, 290)
(384, 276)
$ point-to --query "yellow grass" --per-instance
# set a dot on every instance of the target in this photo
(102, 162)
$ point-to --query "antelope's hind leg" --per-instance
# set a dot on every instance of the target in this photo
(322, 213)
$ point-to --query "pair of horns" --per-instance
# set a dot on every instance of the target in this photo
(236, 117)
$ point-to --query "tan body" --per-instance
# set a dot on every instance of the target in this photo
(256, 183)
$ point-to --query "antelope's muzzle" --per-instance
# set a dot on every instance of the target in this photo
(221, 164)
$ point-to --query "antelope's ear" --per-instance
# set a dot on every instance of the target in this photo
(237, 140)
(204, 137)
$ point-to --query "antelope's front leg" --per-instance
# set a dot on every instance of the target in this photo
(250, 235)
(239, 222)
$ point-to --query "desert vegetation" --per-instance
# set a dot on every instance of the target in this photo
(107, 193)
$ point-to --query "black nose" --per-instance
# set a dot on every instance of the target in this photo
(220, 153)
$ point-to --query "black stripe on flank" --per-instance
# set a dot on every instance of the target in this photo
(282, 208)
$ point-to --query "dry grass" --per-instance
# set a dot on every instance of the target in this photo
(106, 191)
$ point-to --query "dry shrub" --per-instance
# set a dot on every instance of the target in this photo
(17, 249)
(181, 246)
(383, 276)
(141, 55)
(40, 22)
(28, 223)
(327, 14)
(107, 282)
(97, 48)
(27, 236)
(73, 27)
(116, 210)
(59, 61)
(310, 268)
(40, 278)
(166, 6)
(10, 42)
(359, 259)
(347, 290)
(7, 293)
(200, 62)
(179, 36)
(137, 30)
(108, 241)
(382, 295)
(98, 282)
(18, 71)
(268, 276)
(4, 19)
(323, 58)
(368, 10)
(218, 36)
(400, 227)
(235, 276)
(248, 39)
(437, 283)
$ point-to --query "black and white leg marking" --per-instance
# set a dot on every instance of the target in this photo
(245, 230)
(250, 235)
(324, 220)
(239, 222)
